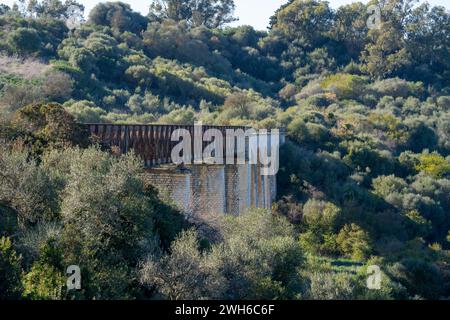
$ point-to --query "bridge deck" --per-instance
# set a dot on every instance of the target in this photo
(151, 142)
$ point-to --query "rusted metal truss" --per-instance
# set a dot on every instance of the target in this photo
(151, 142)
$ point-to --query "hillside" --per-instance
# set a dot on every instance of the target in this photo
(364, 178)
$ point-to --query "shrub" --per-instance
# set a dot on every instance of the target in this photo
(312, 134)
(185, 273)
(184, 116)
(345, 86)
(10, 285)
(322, 214)
(24, 40)
(396, 87)
(387, 185)
(45, 280)
(86, 111)
(49, 125)
(27, 188)
(354, 242)
(331, 286)
(434, 164)
(443, 102)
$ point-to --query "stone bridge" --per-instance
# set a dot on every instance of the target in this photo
(194, 188)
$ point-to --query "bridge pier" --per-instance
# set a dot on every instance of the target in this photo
(221, 189)
(208, 192)
(173, 185)
(238, 184)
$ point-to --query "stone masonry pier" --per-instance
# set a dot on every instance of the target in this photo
(222, 189)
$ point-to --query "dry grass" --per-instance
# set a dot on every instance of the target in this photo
(25, 68)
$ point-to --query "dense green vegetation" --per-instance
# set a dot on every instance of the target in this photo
(364, 178)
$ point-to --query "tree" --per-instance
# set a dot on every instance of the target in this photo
(55, 9)
(304, 21)
(10, 285)
(183, 116)
(386, 55)
(321, 220)
(209, 13)
(321, 214)
(119, 16)
(387, 185)
(420, 277)
(407, 41)
(46, 280)
(257, 259)
(49, 125)
(354, 242)
(260, 257)
(421, 136)
(350, 28)
(428, 32)
(184, 274)
(86, 111)
(345, 86)
(434, 164)
(24, 40)
(107, 218)
(4, 9)
(27, 189)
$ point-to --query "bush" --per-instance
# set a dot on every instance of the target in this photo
(434, 164)
(443, 102)
(354, 242)
(396, 87)
(10, 285)
(119, 16)
(322, 214)
(387, 185)
(45, 280)
(185, 273)
(260, 257)
(345, 86)
(421, 137)
(85, 111)
(331, 286)
(24, 40)
(106, 208)
(422, 279)
(312, 134)
(50, 125)
(27, 189)
(184, 116)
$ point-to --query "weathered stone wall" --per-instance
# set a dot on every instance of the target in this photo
(208, 192)
(172, 183)
(222, 189)
(237, 187)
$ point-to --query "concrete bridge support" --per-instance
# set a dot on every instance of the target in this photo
(173, 185)
(221, 189)
(208, 189)
(238, 186)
